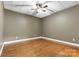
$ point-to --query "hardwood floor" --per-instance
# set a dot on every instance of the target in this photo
(39, 48)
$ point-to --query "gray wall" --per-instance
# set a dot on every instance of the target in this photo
(1, 24)
(16, 24)
(63, 25)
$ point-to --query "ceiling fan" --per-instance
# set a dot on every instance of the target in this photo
(39, 6)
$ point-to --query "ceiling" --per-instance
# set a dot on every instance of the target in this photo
(53, 5)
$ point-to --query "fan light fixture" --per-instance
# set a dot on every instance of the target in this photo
(39, 7)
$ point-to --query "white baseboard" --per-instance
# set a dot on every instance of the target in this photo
(15, 41)
(60, 41)
(1, 49)
(63, 42)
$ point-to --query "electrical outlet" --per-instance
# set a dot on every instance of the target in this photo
(16, 37)
(74, 39)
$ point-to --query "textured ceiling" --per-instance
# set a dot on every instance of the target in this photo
(53, 5)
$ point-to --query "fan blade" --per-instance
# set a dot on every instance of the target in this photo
(44, 10)
(35, 12)
(50, 10)
(45, 6)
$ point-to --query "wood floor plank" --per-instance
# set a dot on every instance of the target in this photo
(39, 48)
